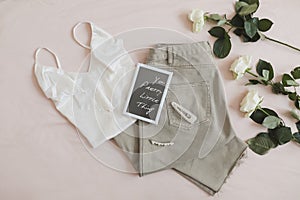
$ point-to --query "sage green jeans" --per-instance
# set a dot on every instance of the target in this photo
(205, 151)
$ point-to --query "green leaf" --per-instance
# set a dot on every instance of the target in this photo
(295, 114)
(292, 83)
(255, 38)
(243, 35)
(237, 21)
(222, 47)
(296, 73)
(246, 38)
(297, 137)
(238, 31)
(253, 82)
(292, 96)
(264, 25)
(247, 10)
(261, 144)
(217, 31)
(247, 17)
(222, 22)
(258, 116)
(298, 125)
(271, 122)
(239, 5)
(250, 1)
(265, 74)
(251, 27)
(281, 134)
(297, 103)
(288, 81)
(215, 17)
(277, 88)
(263, 65)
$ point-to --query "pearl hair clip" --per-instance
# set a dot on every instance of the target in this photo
(161, 143)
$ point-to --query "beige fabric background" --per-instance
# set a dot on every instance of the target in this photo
(41, 154)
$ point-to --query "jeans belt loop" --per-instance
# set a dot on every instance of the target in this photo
(170, 55)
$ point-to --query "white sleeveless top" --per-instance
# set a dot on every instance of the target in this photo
(93, 101)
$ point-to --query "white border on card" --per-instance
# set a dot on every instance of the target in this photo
(139, 65)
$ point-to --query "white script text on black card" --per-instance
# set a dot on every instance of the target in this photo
(148, 93)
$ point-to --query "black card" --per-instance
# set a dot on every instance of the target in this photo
(148, 92)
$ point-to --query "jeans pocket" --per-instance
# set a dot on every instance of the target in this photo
(193, 97)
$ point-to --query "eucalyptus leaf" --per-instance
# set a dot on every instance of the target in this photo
(281, 134)
(296, 73)
(264, 25)
(249, 9)
(288, 81)
(217, 31)
(297, 137)
(258, 115)
(222, 47)
(271, 122)
(261, 144)
(251, 27)
(263, 65)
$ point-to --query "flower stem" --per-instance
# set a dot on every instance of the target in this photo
(249, 72)
(282, 43)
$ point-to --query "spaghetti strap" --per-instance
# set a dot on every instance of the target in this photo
(75, 37)
(51, 52)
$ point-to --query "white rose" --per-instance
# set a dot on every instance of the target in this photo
(197, 17)
(250, 102)
(240, 66)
